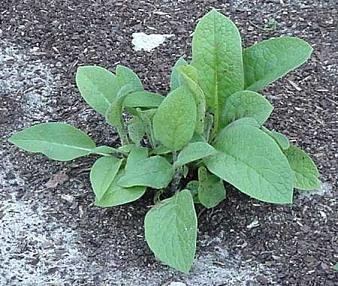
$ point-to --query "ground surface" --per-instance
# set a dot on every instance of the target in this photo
(50, 232)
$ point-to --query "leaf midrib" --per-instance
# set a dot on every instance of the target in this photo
(216, 77)
(98, 89)
(58, 144)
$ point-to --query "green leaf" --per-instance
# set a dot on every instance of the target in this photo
(246, 104)
(125, 76)
(143, 99)
(58, 141)
(244, 121)
(97, 86)
(193, 152)
(136, 130)
(305, 169)
(114, 114)
(137, 153)
(281, 139)
(129, 83)
(160, 150)
(171, 231)
(175, 78)
(189, 78)
(117, 195)
(197, 138)
(146, 116)
(211, 190)
(103, 173)
(154, 172)
(270, 60)
(252, 161)
(174, 120)
(217, 55)
(125, 149)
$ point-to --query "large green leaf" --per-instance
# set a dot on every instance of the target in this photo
(154, 172)
(246, 104)
(271, 59)
(171, 231)
(305, 169)
(174, 120)
(175, 78)
(58, 141)
(211, 190)
(252, 161)
(117, 195)
(103, 173)
(194, 151)
(189, 78)
(97, 86)
(217, 55)
(143, 99)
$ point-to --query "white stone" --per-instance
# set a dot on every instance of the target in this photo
(142, 41)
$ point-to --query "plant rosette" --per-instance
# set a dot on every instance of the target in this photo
(210, 128)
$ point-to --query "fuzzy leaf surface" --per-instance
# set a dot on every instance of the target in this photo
(117, 195)
(154, 172)
(137, 153)
(58, 141)
(193, 152)
(175, 77)
(246, 104)
(189, 78)
(271, 59)
(136, 130)
(251, 160)
(143, 99)
(125, 76)
(217, 56)
(211, 190)
(97, 86)
(103, 173)
(171, 231)
(174, 120)
(106, 150)
(280, 138)
(305, 169)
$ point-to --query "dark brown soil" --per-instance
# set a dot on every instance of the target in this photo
(286, 245)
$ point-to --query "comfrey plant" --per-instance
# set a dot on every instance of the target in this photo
(208, 130)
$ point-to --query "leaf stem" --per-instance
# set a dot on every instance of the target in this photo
(177, 175)
(122, 133)
(157, 196)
